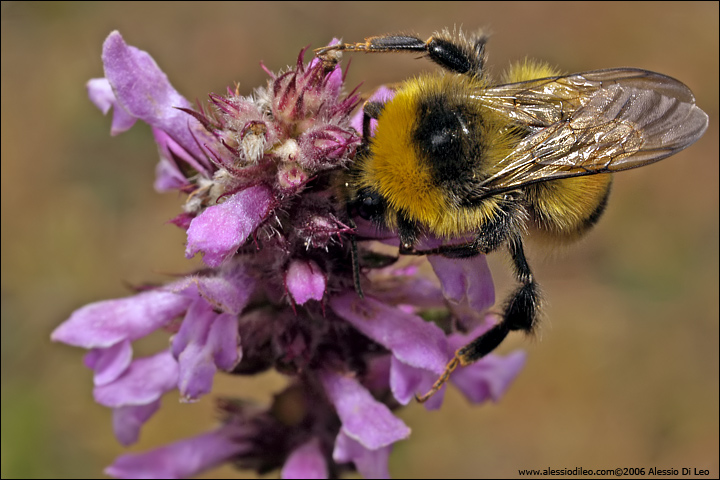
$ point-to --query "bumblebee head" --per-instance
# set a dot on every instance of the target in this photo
(369, 205)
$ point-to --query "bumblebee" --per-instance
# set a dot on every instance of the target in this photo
(457, 156)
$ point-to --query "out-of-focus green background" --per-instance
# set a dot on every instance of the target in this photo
(624, 372)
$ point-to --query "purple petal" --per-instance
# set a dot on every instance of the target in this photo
(109, 363)
(183, 220)
(306, 461)
(370, 463)
(101, 94)
(436, 401)
(168, 175)
(145, 92)
(333, 84)
(418, 291)
(182, 459)
(411, 339)
(224, 342)
(227, 291)
(194, 327)
(334, 79)
(206, 340)
(465, 280)
(221, 229)
(103, 324)
(127, 421)
(305, 281)
(144, 381)
(489, 377)
(467, 284)
(197, 369)
(404, 380)
(363, 418)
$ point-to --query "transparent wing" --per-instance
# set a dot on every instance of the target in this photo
(593, 122)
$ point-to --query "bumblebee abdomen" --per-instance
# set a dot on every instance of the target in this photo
(566, 209)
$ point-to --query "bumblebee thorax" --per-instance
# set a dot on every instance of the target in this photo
(426, 147)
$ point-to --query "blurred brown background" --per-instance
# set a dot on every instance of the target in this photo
(625, 370)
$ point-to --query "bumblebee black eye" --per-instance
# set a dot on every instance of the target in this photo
(369, 205)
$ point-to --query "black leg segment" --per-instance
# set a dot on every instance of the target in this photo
(520, 313)
(371, 111)
(521, 310)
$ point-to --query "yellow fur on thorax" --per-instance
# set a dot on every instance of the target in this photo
(393, 169)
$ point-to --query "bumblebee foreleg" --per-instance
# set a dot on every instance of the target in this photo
(458, 54)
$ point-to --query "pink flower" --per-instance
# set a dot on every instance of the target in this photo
(262, 175)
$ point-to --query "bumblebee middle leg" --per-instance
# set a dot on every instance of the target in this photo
(520, 313)
(459, 54)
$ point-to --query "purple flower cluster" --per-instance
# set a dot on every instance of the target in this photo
(263, 177)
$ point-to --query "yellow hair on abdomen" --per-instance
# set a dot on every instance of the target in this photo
(393, 168)
(565, 209)
(461, 220)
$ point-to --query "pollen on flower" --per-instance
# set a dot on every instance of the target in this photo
(291, 177)
(254, 141)
(287, 151)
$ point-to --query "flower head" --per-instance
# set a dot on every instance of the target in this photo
(262, 174)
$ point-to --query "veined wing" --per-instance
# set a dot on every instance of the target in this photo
(593, 122)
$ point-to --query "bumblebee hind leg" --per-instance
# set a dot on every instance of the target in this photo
(520, 314)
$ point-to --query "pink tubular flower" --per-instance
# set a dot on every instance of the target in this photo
(306, 461)
(206, 340)
(370, 463)
(363, 418)
(305, 281)
(183, 459)
(248, 155)
(263, 176)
